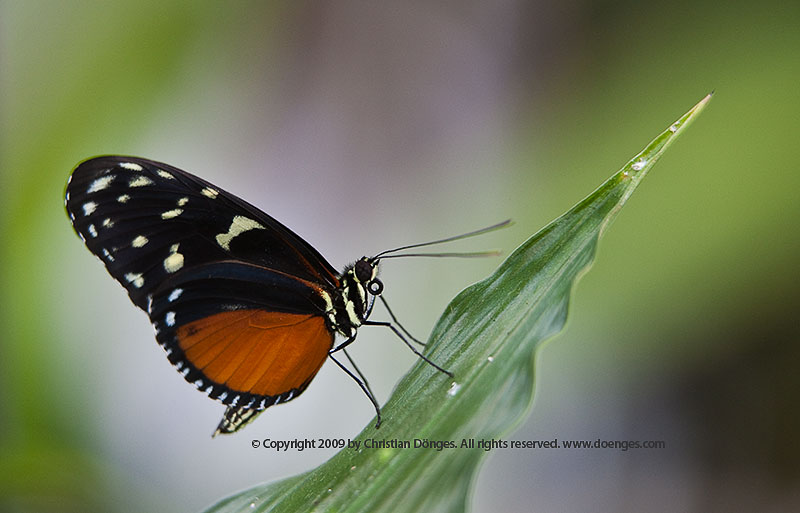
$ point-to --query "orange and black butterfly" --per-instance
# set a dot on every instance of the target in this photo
(246, 310)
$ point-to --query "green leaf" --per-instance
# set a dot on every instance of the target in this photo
(487, 337)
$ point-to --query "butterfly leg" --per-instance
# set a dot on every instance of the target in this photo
(360, 379)
(414, 349)
(343, 344)
(391, 314)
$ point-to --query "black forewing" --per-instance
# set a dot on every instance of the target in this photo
(207, 289)
(149, 221)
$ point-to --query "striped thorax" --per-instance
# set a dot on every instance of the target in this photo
(350, 306)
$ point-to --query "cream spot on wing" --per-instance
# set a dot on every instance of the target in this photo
(169, 214)
(239, 225)
(174, 261)
(183, 201)
(132, 166)
(140, 181)
(89, 207)
(165, 174)
(209, 192)
(101, 183)
(123, 198)
(139, 241)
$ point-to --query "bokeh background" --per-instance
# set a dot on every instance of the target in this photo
(368, 125)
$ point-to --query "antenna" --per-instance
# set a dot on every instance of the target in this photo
(504, 224)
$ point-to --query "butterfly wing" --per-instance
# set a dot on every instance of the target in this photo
(246, 335)
(147, 220)
(237, 299)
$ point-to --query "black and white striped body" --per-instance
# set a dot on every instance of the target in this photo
(350, 307)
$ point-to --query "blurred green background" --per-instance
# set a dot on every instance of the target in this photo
(365, 127)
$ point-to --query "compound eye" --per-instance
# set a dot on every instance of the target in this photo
(363, 270)
(375, 287)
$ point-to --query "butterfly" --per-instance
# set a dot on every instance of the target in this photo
(245, 309)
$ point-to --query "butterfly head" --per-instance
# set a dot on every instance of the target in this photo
(365, 270)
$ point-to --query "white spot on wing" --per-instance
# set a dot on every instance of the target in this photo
(164, 174)
(169, 214)
(209, 192)
(89, 207)
(101, 183)
(108, 255)
(170, 319)
(175, 294)
(107, 222)
(139, 241)
(135, 279)
(92, 230)
(132, 166)
(183, 201)
(140, 181)
(239, 225)
(123, 198)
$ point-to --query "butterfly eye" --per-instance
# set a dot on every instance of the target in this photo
(375, 287)
(364, 270)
